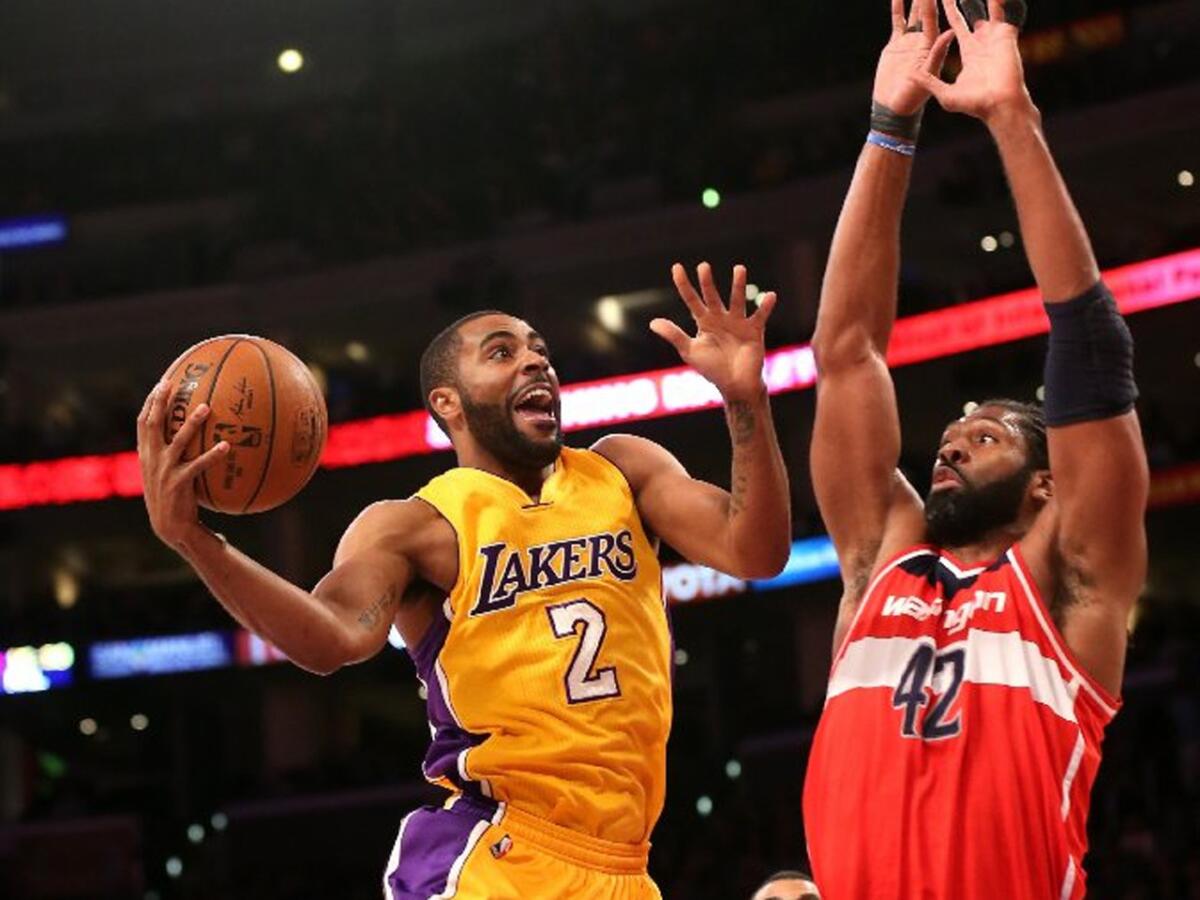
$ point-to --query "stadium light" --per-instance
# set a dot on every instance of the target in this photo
(290, 61)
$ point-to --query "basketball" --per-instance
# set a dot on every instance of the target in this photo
(265, 403)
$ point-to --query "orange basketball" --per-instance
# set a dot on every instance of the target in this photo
(265, 404)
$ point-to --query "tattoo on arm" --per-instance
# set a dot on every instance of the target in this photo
(737, 497)
(370, 616)
(741, 422)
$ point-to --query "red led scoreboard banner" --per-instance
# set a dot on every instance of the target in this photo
(645, 395)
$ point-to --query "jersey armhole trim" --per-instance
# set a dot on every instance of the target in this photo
(460, 547)
(1105, 700)
(905, 554)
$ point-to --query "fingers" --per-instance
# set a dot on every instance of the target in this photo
(766, 303)
(938, 52)
(687, 292)
(737, 293)
(898, 22)
(996, 11)
(672, 334)
(914, 17)
(1014, 12)
(929, 16)
(974, 11)
(955, 17)
(204, 461)
(143, 414)
(183, 438)
(150, 418)
(932, 83)
(145, 410)
(708, 287)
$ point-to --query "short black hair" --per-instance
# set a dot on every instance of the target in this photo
(785, 875)
(1031, 420)
(439, 362)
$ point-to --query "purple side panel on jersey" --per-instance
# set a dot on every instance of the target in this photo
(449, 738)
(433, 840)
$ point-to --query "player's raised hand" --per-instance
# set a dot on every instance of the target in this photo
(169, 481)
(914, 44)
(992, 79)
(728, 348)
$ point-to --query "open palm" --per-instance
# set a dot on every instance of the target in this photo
(729, 347)
(911, 46)
(992, 77)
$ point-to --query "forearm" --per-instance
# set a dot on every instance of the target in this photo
(312, 634)
(759, 512)
(858, 296)
(1056, 242)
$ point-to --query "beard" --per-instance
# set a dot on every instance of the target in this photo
(494, 428)
(958, 517)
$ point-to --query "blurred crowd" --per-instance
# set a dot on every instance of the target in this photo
(588, 115)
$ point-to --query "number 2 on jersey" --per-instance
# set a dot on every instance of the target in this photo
(582, 683)
(923, 667)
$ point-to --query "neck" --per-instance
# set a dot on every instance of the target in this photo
(530, 480)
(986, 548)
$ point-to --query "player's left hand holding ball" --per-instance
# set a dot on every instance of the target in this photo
(169, 481)
(729, 347)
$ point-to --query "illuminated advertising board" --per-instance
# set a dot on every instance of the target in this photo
(160, 655)
(27, 670)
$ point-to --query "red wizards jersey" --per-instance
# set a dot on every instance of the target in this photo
(959, 742)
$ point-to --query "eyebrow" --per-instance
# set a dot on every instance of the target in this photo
(997, 421)
(505, 333)
(502, 333)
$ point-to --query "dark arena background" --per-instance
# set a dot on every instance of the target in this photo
(345, 177)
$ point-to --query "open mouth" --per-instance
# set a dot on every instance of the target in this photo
(536, 405)
(944, 477)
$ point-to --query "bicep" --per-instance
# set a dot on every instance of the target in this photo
(1101, 481)
(855, 451)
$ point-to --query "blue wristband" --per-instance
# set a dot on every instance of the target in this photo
(887, 142)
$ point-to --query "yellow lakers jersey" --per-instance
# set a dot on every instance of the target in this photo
(548, 673)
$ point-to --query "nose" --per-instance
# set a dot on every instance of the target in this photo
(533, 362)
(952, 452)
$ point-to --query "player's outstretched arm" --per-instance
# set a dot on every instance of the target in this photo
(856, 436)
(746, 531)
(1095, 545)
(345, 619)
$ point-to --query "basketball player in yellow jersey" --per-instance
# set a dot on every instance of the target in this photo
(526, 585)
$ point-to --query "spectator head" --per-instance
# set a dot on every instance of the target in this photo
(788, 884)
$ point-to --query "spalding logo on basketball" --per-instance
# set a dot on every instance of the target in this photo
(265, 404)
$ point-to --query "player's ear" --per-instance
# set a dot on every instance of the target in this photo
(1043, 486)
(446, 402)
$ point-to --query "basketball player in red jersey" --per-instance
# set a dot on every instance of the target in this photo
(981, 635)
